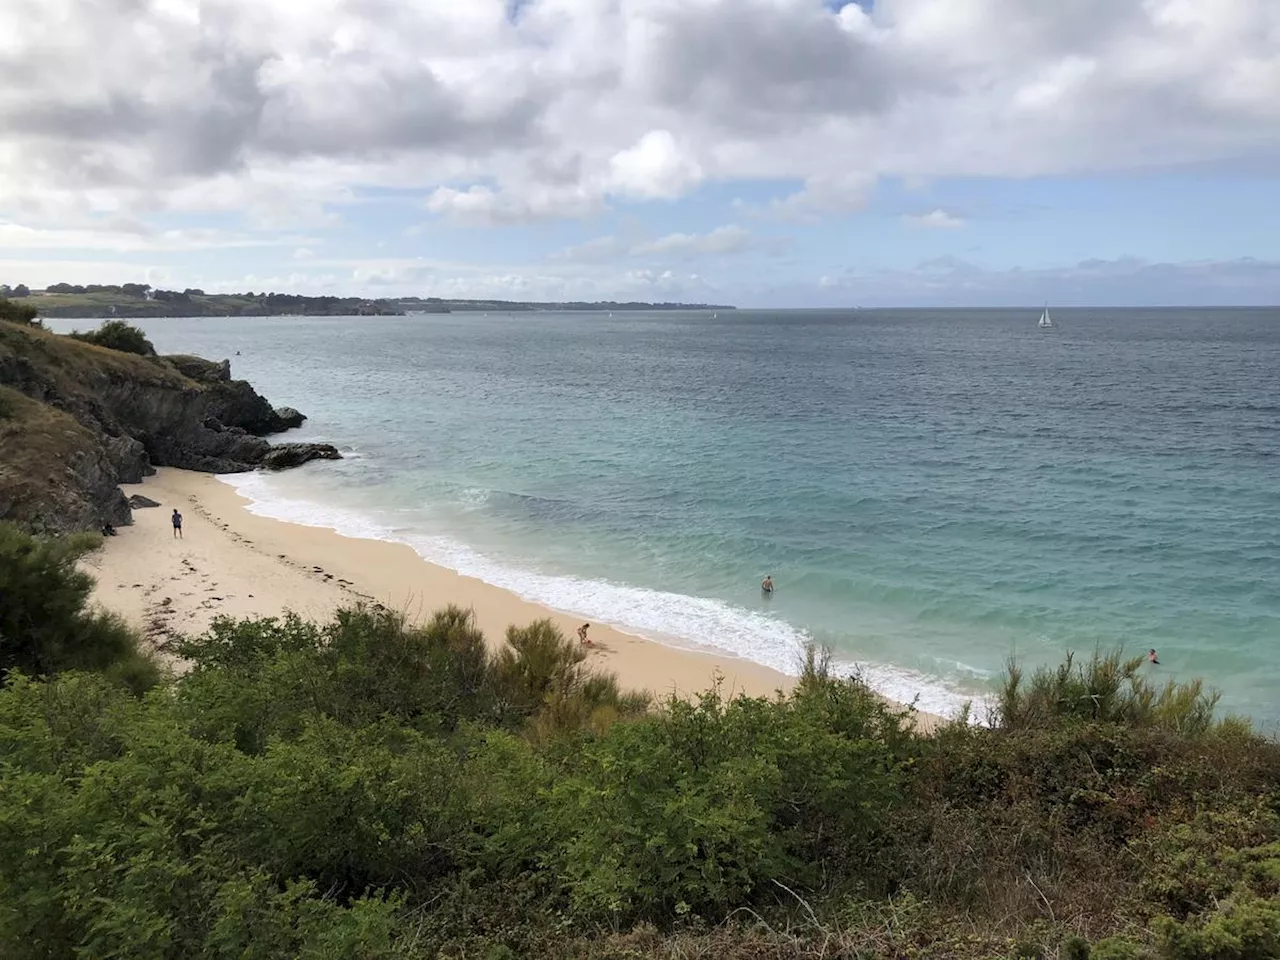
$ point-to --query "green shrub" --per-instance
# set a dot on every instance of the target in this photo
(1107, 688)
(46, 625)
(23, 314)
(1245, 928)
(118, 335)
(373, 788)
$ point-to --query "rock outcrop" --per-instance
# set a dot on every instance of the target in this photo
(133, 413)
(287, 455)
(130, 459)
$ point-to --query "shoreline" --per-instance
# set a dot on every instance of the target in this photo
(237, 563)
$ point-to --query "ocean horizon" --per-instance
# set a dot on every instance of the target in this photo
(933, 491)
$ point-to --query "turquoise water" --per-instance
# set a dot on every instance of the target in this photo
(932, 490)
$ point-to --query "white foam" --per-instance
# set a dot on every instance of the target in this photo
(677, 620)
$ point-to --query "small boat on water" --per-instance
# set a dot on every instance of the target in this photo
(1046, 321)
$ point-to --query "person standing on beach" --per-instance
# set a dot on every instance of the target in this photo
(177, 524)
(582, 635)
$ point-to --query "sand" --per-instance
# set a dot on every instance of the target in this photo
(231, 562)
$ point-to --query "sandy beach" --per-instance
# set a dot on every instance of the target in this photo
(231, 562)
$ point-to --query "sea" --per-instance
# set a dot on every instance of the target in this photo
(932, 491)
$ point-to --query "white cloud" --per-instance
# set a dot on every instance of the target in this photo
(125, 235)
(655, 167)
(484, 206)
(282, 110)
(935, 220)
(728, 239)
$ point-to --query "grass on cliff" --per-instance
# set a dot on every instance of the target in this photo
(75, 366)
(37, 443)
(367, 788)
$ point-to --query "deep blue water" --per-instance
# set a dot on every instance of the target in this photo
(933, 491)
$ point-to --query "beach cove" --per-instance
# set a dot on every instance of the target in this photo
(231, 562)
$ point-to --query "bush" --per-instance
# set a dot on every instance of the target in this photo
(1108, 688)
(118, 335)
(46, 626)
(373, 788)
(23, 314)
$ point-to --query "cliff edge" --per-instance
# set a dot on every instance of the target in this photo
(78, 419)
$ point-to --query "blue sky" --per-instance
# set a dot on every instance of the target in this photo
(760, 152)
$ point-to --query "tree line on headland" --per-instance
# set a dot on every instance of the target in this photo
(142, 300)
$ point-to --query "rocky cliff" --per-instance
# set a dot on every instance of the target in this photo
(78, 419)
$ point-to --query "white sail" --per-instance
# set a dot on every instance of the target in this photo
(1045, 319)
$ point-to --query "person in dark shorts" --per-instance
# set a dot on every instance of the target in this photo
(177, 523)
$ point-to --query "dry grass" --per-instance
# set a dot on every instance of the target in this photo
(72, 364)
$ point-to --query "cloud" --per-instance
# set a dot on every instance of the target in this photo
(655, 167)
(281, 110)
(1125, 281)
(485, 206)
(124, 235)
(729, 239)
(934, 220)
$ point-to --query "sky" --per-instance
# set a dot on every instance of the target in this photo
(751, 152)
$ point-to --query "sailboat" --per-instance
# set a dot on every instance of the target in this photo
(1046, 321)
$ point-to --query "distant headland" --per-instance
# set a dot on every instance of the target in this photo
(142, 300)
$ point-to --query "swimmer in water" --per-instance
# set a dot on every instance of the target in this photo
(767, 584)
(1151, 656)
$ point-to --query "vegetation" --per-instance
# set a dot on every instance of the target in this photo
(70, 367)
(369, 788)
(37, 443)
(23, 314)
(141, 300)
(46, 626)
(118, 335)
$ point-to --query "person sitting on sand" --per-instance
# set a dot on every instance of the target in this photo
(582, 635)
(108, 530)
(177, 523)
(1151, 655)
(767, 584)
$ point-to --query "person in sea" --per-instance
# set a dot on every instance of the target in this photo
(767, 584)
(1151, 656)
(177, 523)
(582, 635)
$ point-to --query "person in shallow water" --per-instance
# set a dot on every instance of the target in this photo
(177, 523)
(582, 635)
(767, 584)
(1151, 655)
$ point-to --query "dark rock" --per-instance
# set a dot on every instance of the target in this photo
(94, 473)
(200, 369)
(130, 459)
(212, 423)
(139, 502)
(288, 455)
(290, 417)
